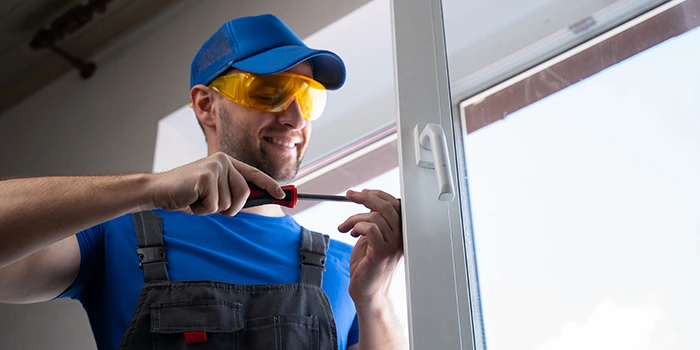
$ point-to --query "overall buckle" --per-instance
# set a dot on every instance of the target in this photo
(313, 259)
(149, 255)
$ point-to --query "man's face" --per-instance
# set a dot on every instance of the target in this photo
(273, 143)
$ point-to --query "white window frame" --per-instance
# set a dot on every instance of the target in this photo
(439, 306)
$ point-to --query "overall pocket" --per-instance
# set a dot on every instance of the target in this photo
(281, 332)
(200, 324)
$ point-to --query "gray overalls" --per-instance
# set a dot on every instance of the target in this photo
(217, 315)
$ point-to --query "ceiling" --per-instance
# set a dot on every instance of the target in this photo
(24, 71)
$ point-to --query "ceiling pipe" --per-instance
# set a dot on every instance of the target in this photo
(68, 23)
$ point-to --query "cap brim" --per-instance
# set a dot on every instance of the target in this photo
(328, 68)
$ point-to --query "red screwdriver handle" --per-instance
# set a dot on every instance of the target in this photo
(259, 196)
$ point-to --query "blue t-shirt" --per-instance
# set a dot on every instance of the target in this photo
(244, 249)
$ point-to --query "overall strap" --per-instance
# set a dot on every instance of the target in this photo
(313, 257)
(151, 250)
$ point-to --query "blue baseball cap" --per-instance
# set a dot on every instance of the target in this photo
(262, 45)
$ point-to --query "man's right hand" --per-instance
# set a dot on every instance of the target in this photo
(215, 184)
(39, 252)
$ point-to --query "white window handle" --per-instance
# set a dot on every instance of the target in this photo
(429, 138)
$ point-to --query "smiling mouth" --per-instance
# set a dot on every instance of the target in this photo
(280, 143)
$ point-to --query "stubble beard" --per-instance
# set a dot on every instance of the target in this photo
(239, 144)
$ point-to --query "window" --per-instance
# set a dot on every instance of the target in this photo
(584, 194)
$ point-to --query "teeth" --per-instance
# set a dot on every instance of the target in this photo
(282, 143)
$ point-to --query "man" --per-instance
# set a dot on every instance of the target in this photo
(172, 261)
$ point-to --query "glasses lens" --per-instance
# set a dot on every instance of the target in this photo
(275, 93)
(312, 101)
(272, 93)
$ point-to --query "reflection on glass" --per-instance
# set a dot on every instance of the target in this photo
(519, 34)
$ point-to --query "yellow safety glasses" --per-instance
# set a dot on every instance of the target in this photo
(273, 93)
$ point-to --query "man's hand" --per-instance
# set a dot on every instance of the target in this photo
(215, 184)
(379, 249)
(39, 254)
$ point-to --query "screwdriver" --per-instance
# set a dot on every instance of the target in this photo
(259, 196)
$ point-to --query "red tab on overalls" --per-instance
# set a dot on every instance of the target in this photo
(195, 337)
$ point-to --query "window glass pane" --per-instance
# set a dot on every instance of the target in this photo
(585, 209)
(520, 34)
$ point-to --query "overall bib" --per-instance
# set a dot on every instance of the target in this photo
(216, 315)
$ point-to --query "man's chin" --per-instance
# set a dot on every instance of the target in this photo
(284, 178)
(282, 169)
(286, 173)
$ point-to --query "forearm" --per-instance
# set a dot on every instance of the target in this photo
(380, 328)
(37, 212)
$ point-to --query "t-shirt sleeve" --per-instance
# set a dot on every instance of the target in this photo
(354, 334)
(91, 242)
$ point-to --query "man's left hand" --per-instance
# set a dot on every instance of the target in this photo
(379, 249)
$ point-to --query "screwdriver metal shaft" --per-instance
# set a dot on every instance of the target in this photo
(321, 197)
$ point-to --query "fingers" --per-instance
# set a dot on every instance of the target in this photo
(360, 197)
(371, 218)
(233, 185)
(217, 184)
(371, 231)
(381, 202)
(186, 210)
(258, 178)
(208, 195)
(225, 197)
(220, 188)
(238, 190)
(396, 203)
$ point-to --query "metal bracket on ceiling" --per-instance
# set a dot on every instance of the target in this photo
(69, 22)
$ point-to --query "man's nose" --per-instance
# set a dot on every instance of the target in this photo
(292, 116)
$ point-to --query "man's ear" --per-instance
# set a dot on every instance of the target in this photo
(202, 98)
